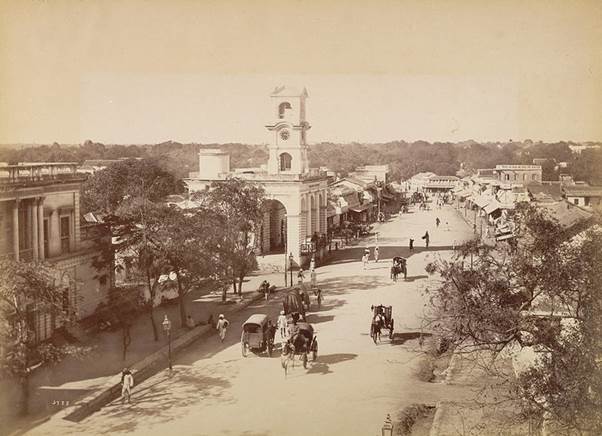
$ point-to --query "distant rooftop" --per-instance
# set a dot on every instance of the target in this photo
(289, 91)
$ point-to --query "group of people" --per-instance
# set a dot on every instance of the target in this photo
(367, 254)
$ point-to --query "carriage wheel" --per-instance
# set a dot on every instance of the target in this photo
(245, 349)
(373, 333)
(270, 347)
(391, 329)
(314, 354)
(304, 360)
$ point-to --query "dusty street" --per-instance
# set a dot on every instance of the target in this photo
(348, 391)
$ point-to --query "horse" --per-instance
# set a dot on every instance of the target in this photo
(394, 272)
(375, 328)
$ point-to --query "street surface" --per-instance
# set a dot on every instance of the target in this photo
(348, 391)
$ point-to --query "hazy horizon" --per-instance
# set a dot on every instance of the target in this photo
(201, 72)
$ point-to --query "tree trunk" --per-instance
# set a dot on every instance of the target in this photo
(126, 338)
(25, 393)
(240, 279)
(152, 306)
(181, 301)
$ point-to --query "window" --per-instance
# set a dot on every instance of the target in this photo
(65, 233)
(507, 176)
(282, 109)
(24, 242)
(285, 161)
(46, 238)
(576, 201)
(586, 201)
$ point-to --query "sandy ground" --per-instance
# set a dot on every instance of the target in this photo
(348, 391)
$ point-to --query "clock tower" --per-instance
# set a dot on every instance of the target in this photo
(288, 132)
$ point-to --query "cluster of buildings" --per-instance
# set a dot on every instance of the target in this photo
(41, 220)
(486, 196)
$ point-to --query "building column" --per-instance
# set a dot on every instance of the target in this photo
(33, 222)
(54, 236)
(40, 222)
(293, 236)
(16, 231)
(323, 220)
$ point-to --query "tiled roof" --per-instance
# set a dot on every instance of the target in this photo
(567, 214)
(583, 191)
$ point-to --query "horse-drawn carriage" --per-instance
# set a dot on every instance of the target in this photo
(382, 319)
(257, 335)
(302, 342)
(295, 302)
(399, 267)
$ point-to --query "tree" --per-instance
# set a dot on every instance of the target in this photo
(26, 287)
(119, 309)
(129, 196)
(186, 240)
(238, 205)
(543, 292)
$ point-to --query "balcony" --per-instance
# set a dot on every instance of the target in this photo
(16, 176)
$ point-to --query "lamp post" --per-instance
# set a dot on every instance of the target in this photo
(387, 429)
(290, 266)
(167, 328)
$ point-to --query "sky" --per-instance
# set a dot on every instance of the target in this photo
(202, 71)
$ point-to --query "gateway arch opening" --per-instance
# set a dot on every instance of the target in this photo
(273, 230)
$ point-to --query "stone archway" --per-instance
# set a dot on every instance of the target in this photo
(273, 234)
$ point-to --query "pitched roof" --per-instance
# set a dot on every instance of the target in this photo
(545, 192)
(583, 191)
(566, 213)
(289, 91)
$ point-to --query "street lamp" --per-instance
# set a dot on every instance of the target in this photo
(387, 429)
(167, 328)
(290, 266)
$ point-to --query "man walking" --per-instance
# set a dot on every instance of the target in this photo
(222, 325)
(376, 254)
(127, 383)
(365, 260)
(426, 238)
(437, 221)
(282, 326)
(411, 244)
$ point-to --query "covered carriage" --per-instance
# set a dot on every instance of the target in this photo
(257, 335)
(382, 319)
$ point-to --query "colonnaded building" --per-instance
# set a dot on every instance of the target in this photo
(295, 221)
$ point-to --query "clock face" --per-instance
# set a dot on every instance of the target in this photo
(284, 134)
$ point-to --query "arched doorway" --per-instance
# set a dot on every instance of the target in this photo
(314, 225)
(273, 235)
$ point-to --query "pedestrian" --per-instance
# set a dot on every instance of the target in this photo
(447, 226)
(411, 244)
(313, 278)
(282, 326)
(437, 221)
(376, 254)
(222, 326)
(426, 238)
(365, 260)
(312, 264)
(127, 383)
(300, 276)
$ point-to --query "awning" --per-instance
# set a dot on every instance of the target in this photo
(361, 208)
(463, 193)
(482, 201)
(492, 207)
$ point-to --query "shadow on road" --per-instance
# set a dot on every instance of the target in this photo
(385, 253)
(322, 365)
